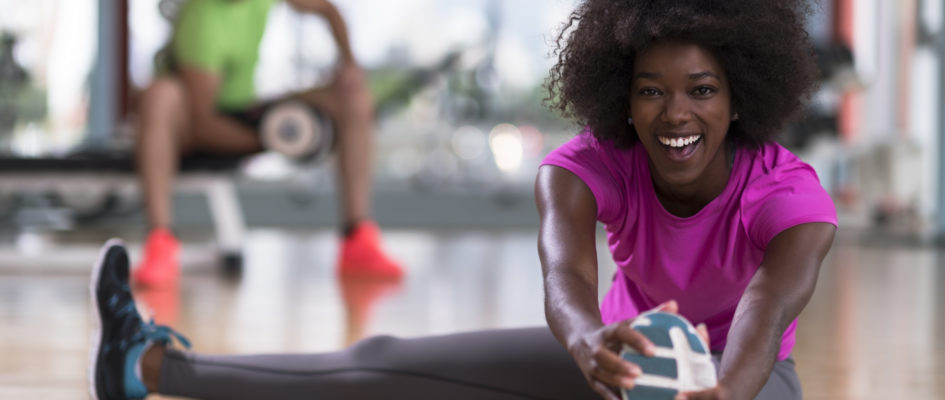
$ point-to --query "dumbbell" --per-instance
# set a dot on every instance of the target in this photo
(297, 130)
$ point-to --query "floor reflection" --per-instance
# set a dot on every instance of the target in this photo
(360, 298)
(869, 332)
(870, 329)
(161, 304)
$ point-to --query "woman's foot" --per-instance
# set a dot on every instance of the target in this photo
(120, 336)
(682, 360)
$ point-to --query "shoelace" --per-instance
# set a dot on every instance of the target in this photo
(147, 330)
(159, 333)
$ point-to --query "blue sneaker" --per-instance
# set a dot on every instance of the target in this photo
(682, 361)
(120, 334)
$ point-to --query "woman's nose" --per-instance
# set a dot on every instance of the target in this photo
(677, 110)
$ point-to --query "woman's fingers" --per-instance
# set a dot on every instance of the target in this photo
(633, 338)
(671, 307)
(613, 370)
(703, 332)
(605, 391)
(603, 366)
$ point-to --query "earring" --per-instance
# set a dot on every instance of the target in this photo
(735, 117)
(629, 121)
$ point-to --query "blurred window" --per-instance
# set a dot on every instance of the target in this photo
(46, 56)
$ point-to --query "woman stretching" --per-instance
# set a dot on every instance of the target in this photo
(704, 215)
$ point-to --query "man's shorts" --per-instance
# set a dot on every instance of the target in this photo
(250, 117)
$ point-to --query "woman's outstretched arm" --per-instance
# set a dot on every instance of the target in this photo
(566, 246)
(777, 293)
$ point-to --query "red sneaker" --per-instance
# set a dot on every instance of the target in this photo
(362, 257)
(159, 266)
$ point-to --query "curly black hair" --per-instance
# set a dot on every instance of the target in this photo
(761, 44)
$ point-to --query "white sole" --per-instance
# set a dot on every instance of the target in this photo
(96, 317)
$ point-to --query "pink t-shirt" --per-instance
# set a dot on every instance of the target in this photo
(704, 261)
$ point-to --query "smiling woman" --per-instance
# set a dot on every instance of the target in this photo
(681, 106)
(681, 102)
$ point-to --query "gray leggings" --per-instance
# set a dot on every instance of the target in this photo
(509, 364)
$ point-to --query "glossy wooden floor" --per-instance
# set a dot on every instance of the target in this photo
(870, 332)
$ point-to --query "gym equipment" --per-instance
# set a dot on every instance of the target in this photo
(682, 361)
(297, 130)
(112, 171)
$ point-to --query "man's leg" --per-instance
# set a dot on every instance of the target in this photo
(351, 109)
(164, 134)
(352, 113)
(163, 121)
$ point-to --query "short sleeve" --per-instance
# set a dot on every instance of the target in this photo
(196, 42)
(786, 195)
(586, 158)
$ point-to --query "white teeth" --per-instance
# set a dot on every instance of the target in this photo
(678, 142)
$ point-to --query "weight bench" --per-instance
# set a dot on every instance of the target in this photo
(211, 175)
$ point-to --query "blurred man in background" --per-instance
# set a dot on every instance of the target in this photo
(203, 100)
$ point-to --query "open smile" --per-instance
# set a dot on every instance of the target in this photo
(680, 148)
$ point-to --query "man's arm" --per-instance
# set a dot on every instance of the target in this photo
(777, 293)
(336, 23)
(209, 127)
(348, 79)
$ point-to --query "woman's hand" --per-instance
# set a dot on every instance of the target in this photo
(597, 353)
(716, 393)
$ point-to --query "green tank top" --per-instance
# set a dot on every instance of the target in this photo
(222, 36)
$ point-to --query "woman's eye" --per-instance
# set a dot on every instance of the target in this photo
(703, 91)
(649, 92)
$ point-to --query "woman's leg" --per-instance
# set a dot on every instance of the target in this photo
(499, 364)
(782, 384)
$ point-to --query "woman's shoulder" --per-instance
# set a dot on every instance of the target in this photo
(772, 165)
(601, 166)
(782, 191)
(585, 147)
(771, 156)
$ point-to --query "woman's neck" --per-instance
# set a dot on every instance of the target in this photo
(686, 201)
